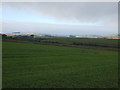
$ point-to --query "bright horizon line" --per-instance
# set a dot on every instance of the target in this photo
(56, 34)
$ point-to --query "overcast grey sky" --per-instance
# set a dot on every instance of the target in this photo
(61, 18)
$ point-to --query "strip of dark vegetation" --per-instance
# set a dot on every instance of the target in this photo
(62, 41)
(75, 44)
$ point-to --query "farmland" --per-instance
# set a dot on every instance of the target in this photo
(28, 65)
(82, 40)
(89, 42)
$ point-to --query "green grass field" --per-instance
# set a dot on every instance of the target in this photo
(45, 66)
(71, 41)
(82, 40)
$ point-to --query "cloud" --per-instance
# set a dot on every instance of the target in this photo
(82, 11)
(105, 13)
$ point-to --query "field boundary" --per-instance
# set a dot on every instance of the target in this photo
(64, 45)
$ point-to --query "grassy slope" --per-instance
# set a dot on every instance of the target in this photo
(32, 65)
